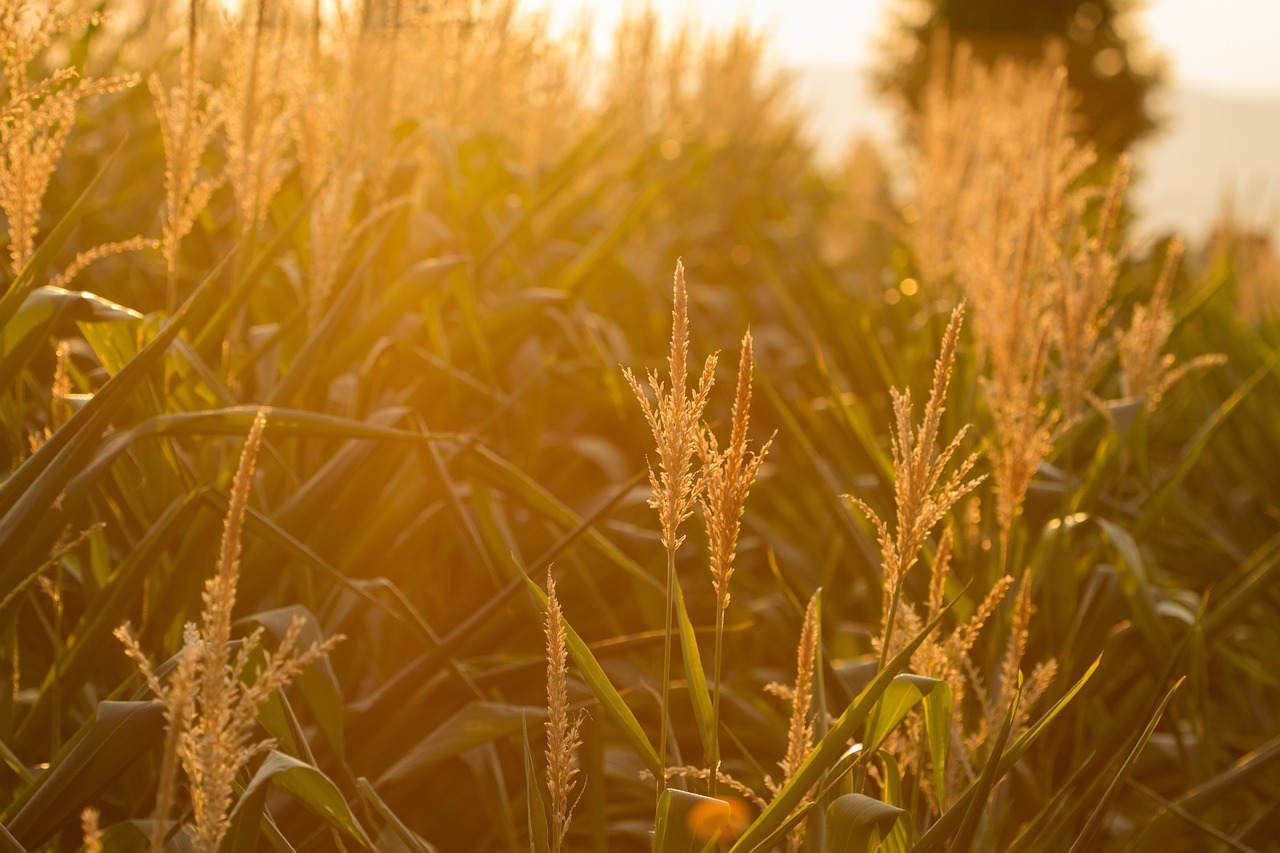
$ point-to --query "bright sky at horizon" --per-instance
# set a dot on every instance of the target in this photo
(1228, 46)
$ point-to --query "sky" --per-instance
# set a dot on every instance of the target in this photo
(1226, 46)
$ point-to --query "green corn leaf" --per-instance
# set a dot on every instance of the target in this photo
(858, 824)
(475, 724)
(694, 675)
(32, 491)
(939, 707)
(688, 823)
(896, 839)
(963, 840)
(116, 736)
(134, 836)
(539, 832)
(307, 785)
(44, 313)
(946, 826)
(501, 473)
(1135, 586)
(9, 844)
(106, 612)
(406, 835)
(903, 693)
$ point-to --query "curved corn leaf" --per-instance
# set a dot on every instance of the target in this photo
(304, 783)
(539, 833)
(476, 724)
(857, 823)
(902, 694)
(117, 735)
(688, 823)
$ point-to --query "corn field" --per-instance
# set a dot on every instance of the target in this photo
(416, 437)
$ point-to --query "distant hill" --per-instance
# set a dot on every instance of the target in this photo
(1212, 145)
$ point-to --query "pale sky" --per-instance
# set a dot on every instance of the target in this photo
(1229, 46)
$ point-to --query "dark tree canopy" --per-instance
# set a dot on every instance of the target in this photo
(1114, 84)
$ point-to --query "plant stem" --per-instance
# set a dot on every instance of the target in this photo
(666, 669)
(874, 718)
(714, 758)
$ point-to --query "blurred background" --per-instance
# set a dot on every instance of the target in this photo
(1216, 113)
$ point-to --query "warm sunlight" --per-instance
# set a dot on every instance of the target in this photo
(424, 432)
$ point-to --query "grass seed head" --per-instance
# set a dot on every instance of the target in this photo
(674, 417)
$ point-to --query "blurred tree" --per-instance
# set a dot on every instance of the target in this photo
(1105, 61)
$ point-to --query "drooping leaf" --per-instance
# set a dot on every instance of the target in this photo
(307, 785)
(688, 822)
(902, 694)
(857, 823)
(117, 735)
(475, 724)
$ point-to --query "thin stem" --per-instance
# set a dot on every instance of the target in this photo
(666, 669)
(873, 719)
(714, 758)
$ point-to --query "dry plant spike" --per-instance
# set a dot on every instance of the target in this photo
(1012, 662)
(800, 729)
(36, 116)
(727, 478)
(1082, 303)
(255, 116)
(938, 577)
(704, 775)
(212, 699)
(922, 498)
(1146, 371)
(89, 830)
(100, 251)
(563, 739)
(673, 418)
(189, 115)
